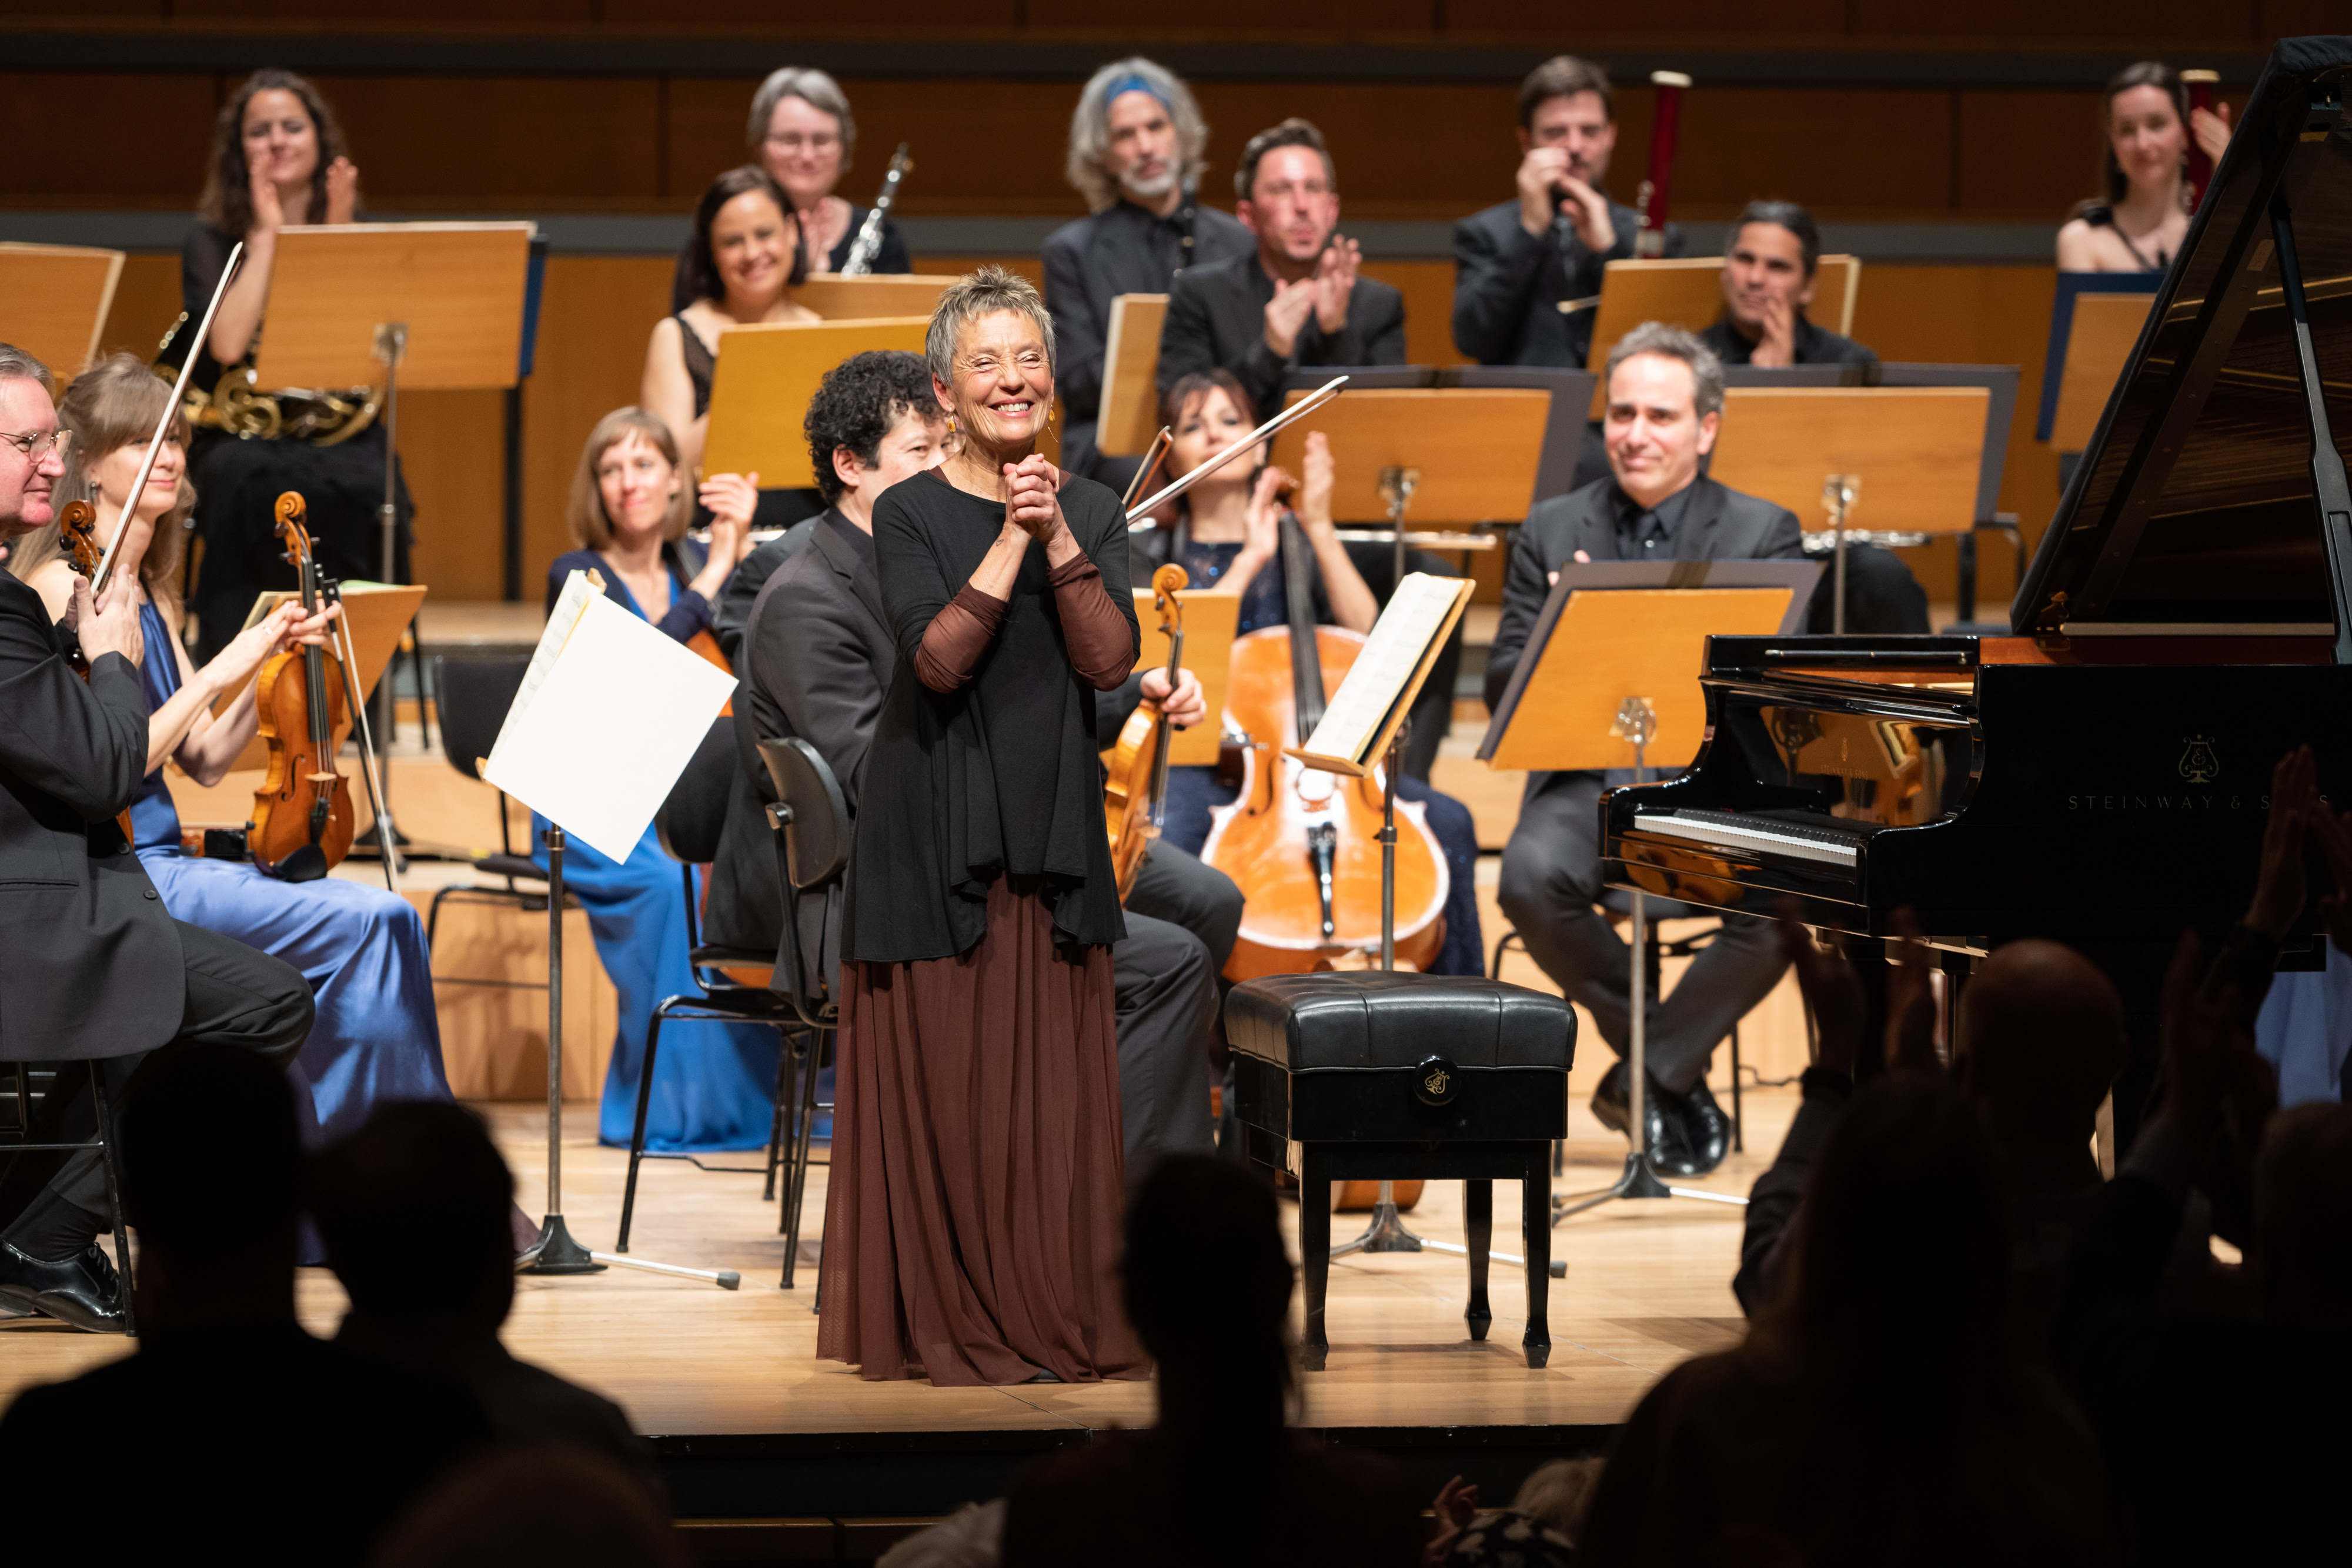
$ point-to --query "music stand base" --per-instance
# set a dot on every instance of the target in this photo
(555, 1252)
(1386, 1233)
(1639, 1180)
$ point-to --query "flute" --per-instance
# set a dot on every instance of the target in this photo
(1652, 199)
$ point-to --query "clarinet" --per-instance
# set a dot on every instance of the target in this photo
(1652, 201)
(868, 244)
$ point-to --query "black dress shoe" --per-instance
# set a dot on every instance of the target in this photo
(1701, 1133)
(84, 1290)
(1613, 1105)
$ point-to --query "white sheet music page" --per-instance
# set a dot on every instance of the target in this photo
(1399, 643)
(608, 715)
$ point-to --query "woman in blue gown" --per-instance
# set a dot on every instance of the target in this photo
(714, 1085)
(376, 1036)
(1227, 536)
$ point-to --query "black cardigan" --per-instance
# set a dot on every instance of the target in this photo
(946, 769)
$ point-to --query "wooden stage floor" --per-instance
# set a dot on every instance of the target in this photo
(1648, 1286)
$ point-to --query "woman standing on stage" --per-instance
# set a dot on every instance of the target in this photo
(743, 266)
(361, 947)
(801, 132)
(713, 1087)
(277, 159)
(972, 1219)
(2140, 217)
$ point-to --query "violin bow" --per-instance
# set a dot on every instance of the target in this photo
(1288, 416)
(171, 412)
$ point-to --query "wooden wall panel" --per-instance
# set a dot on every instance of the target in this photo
(426, 142)
(572, 12)
(2298, 18)
(1396, 146)
(1248, 16)
(2108, 21)
(959, 13)
(704, 134)
(1428, 290)
(597, 315)
(1791, 22)
(453, 449)
(1855, 153)
(73, 150)
(2033, 154)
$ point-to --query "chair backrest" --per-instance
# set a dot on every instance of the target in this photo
(471, 697)
(817, 840)
(690, 822)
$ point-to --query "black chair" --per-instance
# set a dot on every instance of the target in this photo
(689, 825)
(810, 819)
(475, 694)
(41, 1077)
(1372, 1076)
(1618, 907)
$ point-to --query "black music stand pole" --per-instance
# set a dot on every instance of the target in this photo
(1637, 721)
(1387, 1232)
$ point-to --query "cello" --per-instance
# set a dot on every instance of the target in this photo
(1134, 800)
(78, 530)
(303, 821)
(1302, 843)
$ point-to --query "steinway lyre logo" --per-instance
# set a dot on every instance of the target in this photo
(2198, 763)
(1435, 1083)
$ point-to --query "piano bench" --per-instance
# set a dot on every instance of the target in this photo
(1375, 1076)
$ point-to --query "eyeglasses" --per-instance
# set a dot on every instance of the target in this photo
(40, 444)
(792, 142)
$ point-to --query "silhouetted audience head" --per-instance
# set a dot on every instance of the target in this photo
(212, 1165)
(2303, 1215)
(547, 1504)
(1208, 1289)
(1901, 1276)
(2042, 1038)
(413, 1208)
(1560, 1494)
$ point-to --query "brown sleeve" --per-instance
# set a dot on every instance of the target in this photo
(957, 636)
(1102, 648)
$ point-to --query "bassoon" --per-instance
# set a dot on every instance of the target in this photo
(1665, 122)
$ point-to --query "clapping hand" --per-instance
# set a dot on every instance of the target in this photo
(1910, 1002)
(1032, 498)
(1286, 313)
(1261, 523)
(2281, 887)
(1335, 283)
(342, 192)
(1830, 990)
(1456, 1508)
(730, 500)
(1544, 182)
(1320, 472)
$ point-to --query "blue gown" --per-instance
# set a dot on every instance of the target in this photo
(715, 1083)
(376, 1036)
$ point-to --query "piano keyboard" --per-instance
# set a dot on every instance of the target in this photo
(1726, 831)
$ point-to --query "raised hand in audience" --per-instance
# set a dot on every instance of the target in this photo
(1910, 1002)
(2281, 887)
(1455, 1506)
(1831, 993)
(2331, 834)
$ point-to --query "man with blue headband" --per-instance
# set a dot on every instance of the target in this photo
(1136, 141)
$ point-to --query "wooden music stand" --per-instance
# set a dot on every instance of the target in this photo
(2094, 320)
(1128, 416)
(375, 613)
(2099, 343)
(1210, 616)
(54, 299)
(765, 377)
(1688, 292)
(873, 295)
(1905, 459)
(1611, 670)
(1453, 455)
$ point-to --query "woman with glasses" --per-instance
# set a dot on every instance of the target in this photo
(277, 159)
(801, 132)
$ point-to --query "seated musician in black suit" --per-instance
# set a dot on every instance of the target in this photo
(1297, 299)
(1666, 401)
(1518, 261)
(817, 657)
(1767, 281)
(89, 959)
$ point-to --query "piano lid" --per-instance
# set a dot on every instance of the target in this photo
(2196, 507)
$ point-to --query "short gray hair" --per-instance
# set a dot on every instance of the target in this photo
(814, 88)
(1673, 343)
(17, 364)
(1090, 127)
(972, 295)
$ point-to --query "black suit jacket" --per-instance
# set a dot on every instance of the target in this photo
(816, 657)
(90, 963)
(1508, 285)
(1216, 320)
(1718, 524)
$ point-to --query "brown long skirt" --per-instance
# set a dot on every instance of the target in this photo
(973, 1213)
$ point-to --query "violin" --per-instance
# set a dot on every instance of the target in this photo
(1135, 800)
(78, 530)
(1303, 844)
(301, 825)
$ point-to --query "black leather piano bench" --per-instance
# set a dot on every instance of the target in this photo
(1371, 1076)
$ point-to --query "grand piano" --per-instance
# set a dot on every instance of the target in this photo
(2102, 776)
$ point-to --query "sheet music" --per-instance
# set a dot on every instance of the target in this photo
(1400, 640)
(608, 718)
